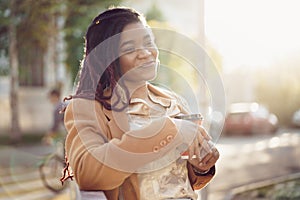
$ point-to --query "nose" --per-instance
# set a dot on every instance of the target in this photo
(143, 52)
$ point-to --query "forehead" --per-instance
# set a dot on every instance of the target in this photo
(135, 31)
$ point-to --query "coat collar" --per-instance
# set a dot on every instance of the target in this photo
(156, 94)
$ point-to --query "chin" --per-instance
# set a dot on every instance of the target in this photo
(150, 75)
(152, 78)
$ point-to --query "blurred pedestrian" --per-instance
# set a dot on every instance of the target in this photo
(57, 128)
(123, 138)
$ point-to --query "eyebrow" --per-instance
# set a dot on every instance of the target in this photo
(131, 41)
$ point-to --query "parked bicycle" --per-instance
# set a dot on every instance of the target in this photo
(51, 166)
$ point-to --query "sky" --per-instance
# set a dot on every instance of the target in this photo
(253, 33)
(247, 33)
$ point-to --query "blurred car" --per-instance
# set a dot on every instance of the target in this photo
(249, 119)
(296, 119)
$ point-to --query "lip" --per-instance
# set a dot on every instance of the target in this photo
(148, 64)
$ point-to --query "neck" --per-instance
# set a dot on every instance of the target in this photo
(136, 89)
(140, 92)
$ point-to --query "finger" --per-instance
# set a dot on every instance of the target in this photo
(200, 137)
(213, 159)
(211, 162)
(198, 151)
(216, 153)
(204, 144)
(204, 133)
(211, 144)
(192, 149)
(206, 158)
(203, 153)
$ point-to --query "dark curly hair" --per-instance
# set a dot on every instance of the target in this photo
(100, 66)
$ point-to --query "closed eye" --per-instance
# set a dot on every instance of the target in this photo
(127, 47)
(127, 50)
(149, 43)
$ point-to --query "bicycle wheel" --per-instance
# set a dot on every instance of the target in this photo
(50, 172)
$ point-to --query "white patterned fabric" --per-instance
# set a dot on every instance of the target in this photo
(166, 178)
(170, 182)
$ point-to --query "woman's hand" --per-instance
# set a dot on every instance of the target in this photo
(202, 153)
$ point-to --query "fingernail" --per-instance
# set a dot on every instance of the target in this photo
(200, 164)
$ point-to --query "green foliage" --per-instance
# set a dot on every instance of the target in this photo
(79, 14)
(284, 190)
(214, 55)
(4, 64)
(154, 13)
(4, 21)
(279, 88)
(27, 139)
(36, 23)
(175, 71)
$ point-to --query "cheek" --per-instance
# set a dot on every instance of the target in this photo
(126, 63)
(155, 53)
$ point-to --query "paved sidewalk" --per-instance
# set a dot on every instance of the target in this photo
(242, 161)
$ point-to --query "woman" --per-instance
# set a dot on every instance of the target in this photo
(122, 137)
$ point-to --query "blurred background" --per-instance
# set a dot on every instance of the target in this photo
(254, 44)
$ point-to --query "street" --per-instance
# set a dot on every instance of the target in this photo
(247, 160)
(243, 160)
(20, 177)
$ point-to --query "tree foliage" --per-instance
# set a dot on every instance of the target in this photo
(154, 13)
(279, 88)
(36, 23)
(79, 14)
(4, 22)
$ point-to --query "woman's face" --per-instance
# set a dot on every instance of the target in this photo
(138, 53)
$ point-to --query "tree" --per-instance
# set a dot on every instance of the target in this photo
(4, 42)
(154, 13)
(29, 25)
(278, 87)
(79, 14)
(26, 25)
(13, 55)
(36, 28)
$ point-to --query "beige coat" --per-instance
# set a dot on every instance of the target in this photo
(96, 146)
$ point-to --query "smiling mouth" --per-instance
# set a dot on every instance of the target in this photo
(148, 64)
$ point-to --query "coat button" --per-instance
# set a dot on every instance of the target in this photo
(155, 149)
(163, 143)
(145, 108)
(169, 138)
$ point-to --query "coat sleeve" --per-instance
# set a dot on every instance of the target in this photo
(102, 164)
(198, 182)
